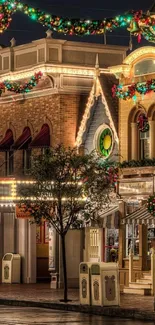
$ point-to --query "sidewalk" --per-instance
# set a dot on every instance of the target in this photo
(40, 295)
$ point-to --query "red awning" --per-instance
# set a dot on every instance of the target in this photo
(7, 141)
(23, 141)
(42, 139)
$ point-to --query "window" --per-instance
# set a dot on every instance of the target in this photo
(132, 206)
(132, 239)
(144, 144)
(9, 163)
(103, 141)
(26, 160)
(144, 67)
(151, 237)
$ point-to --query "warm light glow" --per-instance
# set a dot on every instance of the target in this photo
(46, 69)
(147, 50)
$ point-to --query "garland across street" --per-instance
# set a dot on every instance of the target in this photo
(138, 23)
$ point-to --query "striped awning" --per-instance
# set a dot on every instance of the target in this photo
(111, 217)
(139, 216)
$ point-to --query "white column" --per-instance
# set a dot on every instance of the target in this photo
(130, 266)
(27, 249)
(134, 141)
(152, 139)
(86, 252)
(9, 233)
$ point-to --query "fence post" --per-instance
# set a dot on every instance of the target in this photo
(130, 265)
(153, 270)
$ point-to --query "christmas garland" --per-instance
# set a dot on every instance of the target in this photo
(136, 22)
(129, 92)
(151, 205)
(19, 87)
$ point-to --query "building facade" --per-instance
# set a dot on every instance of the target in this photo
(137, 153)
(48, 115)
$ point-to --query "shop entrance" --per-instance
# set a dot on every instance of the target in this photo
(42, 242)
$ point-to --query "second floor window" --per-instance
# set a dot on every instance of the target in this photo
(26, 160)
(9, 163)
(144, 144)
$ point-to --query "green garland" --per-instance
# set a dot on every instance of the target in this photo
(136, 22)
(21, 88)
(130, 92)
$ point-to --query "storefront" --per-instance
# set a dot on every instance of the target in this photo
(102, 243)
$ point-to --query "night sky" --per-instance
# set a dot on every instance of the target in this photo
(24, 30)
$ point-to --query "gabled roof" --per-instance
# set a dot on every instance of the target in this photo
(102, 87)
(107, 81)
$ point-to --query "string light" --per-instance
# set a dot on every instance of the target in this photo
(96, 91)
(136, 22)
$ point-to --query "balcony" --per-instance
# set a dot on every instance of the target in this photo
(137, 179)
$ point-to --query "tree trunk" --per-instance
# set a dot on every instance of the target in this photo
(64, 268)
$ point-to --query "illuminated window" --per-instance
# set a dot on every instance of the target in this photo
(144, 67)
(103, 141)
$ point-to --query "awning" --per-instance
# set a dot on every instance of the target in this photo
(139, 216)
(42, 139)
(23, 141)
(7, 141)
(111, 217)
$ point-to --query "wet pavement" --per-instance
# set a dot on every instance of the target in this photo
(42, 293)
(31, 316)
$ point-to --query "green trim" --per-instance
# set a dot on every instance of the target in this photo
(105, 152)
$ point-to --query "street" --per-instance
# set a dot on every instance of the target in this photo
(29, 316)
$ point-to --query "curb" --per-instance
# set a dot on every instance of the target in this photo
(133, 313)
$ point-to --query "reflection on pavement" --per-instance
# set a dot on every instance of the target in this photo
(39, 316)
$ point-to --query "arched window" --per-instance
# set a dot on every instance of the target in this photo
(144, 67)
(143, 130)
(139, 135)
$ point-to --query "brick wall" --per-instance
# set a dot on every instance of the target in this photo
(60, 111)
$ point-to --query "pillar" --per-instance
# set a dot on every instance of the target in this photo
(134, 141)
(9, 233)
(152, 139)
(122, 235)
(87, 244)
(131, 266)
(26, 247)
(143, 247)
